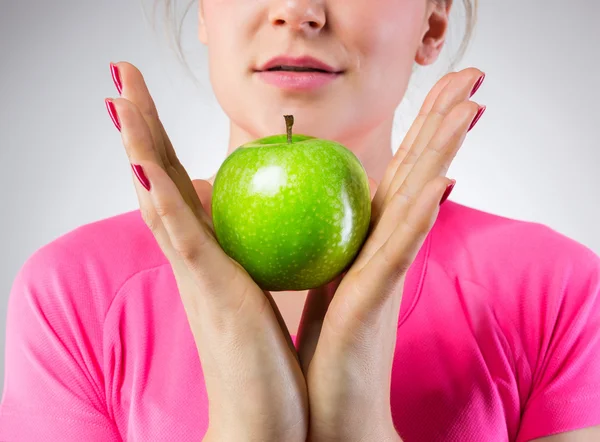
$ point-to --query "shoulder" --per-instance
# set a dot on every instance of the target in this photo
(494, 249)
(540, 286)
(528, 275)
(85, 267)
(56, 332)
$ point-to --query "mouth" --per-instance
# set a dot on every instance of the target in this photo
(284, 68)
(285, 63)
(297, 73)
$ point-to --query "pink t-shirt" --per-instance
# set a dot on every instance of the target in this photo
(498, 338)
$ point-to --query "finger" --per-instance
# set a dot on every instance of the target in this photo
(163, 203)
(135, 89)
(451, 90)
(407, 142)
(456, 92)
(135, 133)
(441, 150)
(138, 144)
(434, 161)
(193, 244)
(379, 278)
(380, 232)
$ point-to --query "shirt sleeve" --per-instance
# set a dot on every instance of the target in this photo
(53, 384)
(565, 392)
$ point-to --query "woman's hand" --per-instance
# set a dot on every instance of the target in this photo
(254, 382)
(346, 342)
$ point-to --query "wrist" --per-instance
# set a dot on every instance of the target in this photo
(386, 435)
(247, 435)
(379, 434)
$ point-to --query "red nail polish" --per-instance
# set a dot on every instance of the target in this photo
(447, 192)
(114, 70)
(112, 111)
(477, 117)
(477, 85)
(139, 173)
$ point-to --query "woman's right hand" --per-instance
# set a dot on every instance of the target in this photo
(254, 382)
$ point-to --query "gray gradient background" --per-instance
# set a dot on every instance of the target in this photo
(533, 156)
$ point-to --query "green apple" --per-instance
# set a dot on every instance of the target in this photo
(293, 210)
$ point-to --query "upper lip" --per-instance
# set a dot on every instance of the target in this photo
(303, 62)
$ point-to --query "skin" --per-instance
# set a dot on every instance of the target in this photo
(259, 386)
(374, 45)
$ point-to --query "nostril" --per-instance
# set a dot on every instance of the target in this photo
(300, 24)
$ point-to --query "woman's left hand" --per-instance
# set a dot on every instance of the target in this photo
(346, 342)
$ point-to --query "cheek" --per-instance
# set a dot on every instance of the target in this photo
(232, 38)
(384, 36)
(219, 18)
(387, 31)
(225, 57)
(233, 33)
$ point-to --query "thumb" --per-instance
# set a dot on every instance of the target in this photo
(372, 187)
(204, 191)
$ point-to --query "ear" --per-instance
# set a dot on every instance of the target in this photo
(434, 32)
(202, 34)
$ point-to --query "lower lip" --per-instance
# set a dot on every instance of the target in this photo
(297, 81)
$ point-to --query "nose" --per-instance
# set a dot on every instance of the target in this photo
(300, 15)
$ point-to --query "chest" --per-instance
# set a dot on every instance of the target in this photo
(455, 375)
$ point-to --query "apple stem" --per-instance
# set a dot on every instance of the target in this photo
(289, 122)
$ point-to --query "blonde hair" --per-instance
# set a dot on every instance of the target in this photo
(174, 28)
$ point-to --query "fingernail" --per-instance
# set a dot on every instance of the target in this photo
(447, 192)
(139, 173)
(477, 85)
(477, 117)
(114, 70)
(112, 111)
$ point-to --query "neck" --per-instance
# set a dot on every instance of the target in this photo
(373, 148)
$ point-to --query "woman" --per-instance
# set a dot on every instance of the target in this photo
(451, 325)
